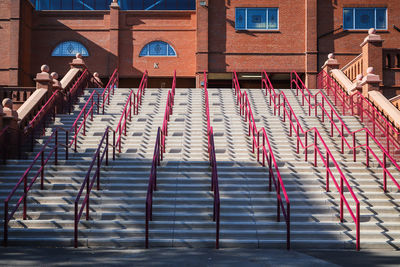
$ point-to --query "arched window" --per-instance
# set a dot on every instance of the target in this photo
(69, 49)
(157, 49)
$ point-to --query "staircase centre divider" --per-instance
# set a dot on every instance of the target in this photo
(343, 129)
(159, 150)
(85, 112)
(213, 164)
(267, 155)
(129, 107)
(318, 139)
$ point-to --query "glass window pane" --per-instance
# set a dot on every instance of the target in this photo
(240, 18)
(66, 5)
(381, 18)
(158, 49)
(272, 18)
(256, 18)
(171, 51)
(348, 18)
(43, 4)
(145, 51)
(364, 18)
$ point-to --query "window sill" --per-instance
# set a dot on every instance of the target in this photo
(258, 31)
(364, 31)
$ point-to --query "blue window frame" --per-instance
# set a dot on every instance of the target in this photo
(257, 18)
(364, 18)
(105, 4)
(157, 49)
(69, 49)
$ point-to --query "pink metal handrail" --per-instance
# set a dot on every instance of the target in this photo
(109, 89)
(318, 139)
(8, 216)
(89, 182)
(44, 110)
(359, 105)
(332, 115)
(213, 164)
(159, 150)
(140, 92)
(245, 109)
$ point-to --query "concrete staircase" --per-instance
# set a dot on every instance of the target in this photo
(183, 203)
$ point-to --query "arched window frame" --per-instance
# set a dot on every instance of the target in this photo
(146, 50)
(61, 49)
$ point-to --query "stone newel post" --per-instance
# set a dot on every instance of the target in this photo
(372, 52)
(78, 62)
(44, 80)
(370, 82)
(330, 64)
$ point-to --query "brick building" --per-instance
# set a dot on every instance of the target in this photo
(218, 36)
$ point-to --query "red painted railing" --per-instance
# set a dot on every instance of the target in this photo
(343, 186)
(323, 104)
(267, 155)
(140, 92)
(85, 112)
(89, 181)
(159, 150)
(213, 164)
(120, 130)
(112, 83)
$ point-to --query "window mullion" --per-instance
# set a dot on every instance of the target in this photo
(266, 19)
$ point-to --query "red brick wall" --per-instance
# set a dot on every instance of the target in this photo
(346, 44)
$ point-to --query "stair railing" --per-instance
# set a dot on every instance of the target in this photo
(267, 155)
(342, 129)
(342, 185)
(213, 164)
(109, 89)
(85, 112)
(140, 92)
(159, 150)
(120, 130)
(90, 179)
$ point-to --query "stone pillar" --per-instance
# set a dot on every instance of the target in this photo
(370, 82)
(114, 37)
(356, 85)
(44, 80)
(330, 64)
(372, 52)
(97, 80)
(78, 62)
(1, 117)
(60, 96)
(202, 40)
(311, 68)
(10, 119)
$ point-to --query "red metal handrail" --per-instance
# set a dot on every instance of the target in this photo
(343, 129)
(141, 92)
(245, 109)
(298, 129)
(213, 164)
(89, 182)
(44, 161)
(112, 83)
(159, 150)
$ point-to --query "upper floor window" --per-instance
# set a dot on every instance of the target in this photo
(364, 18)
(256, 19)
(105, 4)
(69, 49)
(158, 49)
(71, 4)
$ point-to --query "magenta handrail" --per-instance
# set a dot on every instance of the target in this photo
(8, 216)
(213, 164)
(332, 115)
(159, 150)
(141, 92)
(112, 83)
(267, 155)
(318, 139)
(88, 182)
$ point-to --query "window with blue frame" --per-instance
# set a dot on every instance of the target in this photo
(105, 4)
(364, 18)
(257, 19)
(69, 49)
(158, 49)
